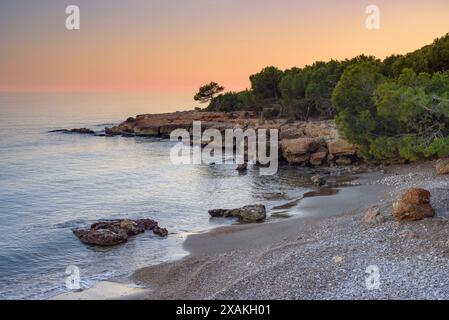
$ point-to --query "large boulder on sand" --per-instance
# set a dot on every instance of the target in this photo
(414, 205)
(113, 232)
(442, 166)
(247, 214)
(82, 131)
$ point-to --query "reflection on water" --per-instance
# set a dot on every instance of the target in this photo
(52, 183)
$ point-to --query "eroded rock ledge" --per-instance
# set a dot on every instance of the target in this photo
(312, 143)
(113, 232)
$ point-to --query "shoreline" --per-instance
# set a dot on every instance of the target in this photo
(296, 258)
(324, 258)
(119, 288)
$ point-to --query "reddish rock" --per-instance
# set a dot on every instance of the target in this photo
(341, 147)
(373, 217)
(317, 158)
(300, 141)
(414, 205)
(417, 196)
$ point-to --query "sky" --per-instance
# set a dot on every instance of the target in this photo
(178, 45)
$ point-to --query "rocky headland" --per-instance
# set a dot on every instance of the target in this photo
(312, 143)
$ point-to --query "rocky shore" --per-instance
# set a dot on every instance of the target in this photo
(330, 258)
(114, 232)
(392, 219)
(313, 143)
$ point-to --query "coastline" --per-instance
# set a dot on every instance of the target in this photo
(309, 257)
(324, 258)
(127, 288)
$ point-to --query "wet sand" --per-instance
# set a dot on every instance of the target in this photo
(105, 290)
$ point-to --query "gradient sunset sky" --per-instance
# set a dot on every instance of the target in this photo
(177, 45)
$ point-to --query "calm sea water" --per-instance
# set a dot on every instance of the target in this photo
(52, 183)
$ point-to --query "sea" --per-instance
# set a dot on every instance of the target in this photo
(52, 183)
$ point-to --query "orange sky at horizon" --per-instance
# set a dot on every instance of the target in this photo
(157, 46)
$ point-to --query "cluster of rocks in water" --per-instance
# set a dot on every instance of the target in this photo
(113, 232)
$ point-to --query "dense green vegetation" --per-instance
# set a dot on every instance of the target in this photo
(395, 108)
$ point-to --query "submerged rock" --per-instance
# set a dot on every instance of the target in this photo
(113, 232)
(414, 205)
(83, 131)
(247, 214)
(78, 130)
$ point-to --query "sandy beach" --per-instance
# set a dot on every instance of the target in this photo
(320, 258)
(321, 253)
